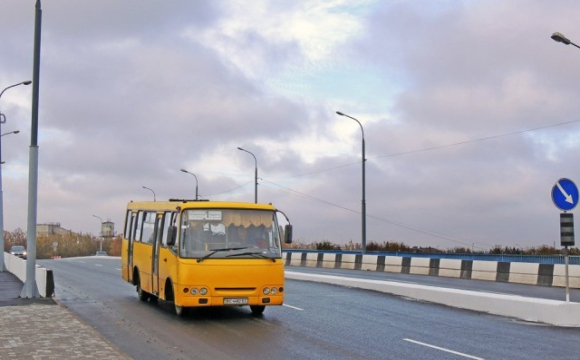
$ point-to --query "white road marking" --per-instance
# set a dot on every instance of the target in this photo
(443, 349)
(99, 265)
(293, 307)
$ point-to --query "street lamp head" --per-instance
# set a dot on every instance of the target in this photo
(10, 133)
(339, 113)
(560, 38)
(239, 148)
(183, 170)
(27, 82)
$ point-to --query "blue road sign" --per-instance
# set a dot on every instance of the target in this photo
(565, 194)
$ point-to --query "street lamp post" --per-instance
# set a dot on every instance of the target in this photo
(3, 121)
(100, 232)
(558, 37)
(255, 176)
(30, 289)
(196, 183)
(363, 202)
(154, 198)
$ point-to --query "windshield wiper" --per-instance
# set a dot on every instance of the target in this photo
(218, 250)
(253, 253)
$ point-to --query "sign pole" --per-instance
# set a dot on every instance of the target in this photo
(565, 196)
(566, 260)
(567, 239)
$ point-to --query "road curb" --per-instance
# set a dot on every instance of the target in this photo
(552, 312)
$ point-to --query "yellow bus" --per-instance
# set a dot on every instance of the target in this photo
(198, 253)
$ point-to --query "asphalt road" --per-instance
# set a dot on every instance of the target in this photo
(318, 321)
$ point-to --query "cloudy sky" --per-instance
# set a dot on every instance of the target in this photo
(470, 111)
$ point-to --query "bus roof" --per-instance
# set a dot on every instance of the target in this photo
(172, 204)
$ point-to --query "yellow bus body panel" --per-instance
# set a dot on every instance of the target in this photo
(125, 260)
(167, 269)
(229, 279)
(143, 260)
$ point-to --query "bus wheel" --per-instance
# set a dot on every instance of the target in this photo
(143, 296)
(257, 309)
(179, 310)
(170, 296)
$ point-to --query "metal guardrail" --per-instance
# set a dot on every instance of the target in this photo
(538, 259)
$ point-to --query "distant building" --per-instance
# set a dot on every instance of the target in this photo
(51, 229)
(107, 229)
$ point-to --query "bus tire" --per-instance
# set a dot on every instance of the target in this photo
(179, 310)
(143, 296)
(170, 296)
(257, 310)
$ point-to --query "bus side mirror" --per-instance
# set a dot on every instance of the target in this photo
(288, 234)
(171, 235)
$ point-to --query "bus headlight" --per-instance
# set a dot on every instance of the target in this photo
(194, 291)
(203, 291)
(271, 291)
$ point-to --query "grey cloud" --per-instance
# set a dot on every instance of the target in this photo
(127, 99)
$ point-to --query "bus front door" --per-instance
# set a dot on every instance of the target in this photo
(130, 238)
(155, 257)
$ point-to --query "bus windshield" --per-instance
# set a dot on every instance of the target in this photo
(221, 233)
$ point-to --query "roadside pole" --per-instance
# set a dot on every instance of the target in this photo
(566, 260)
(565, 196)
(30, 289)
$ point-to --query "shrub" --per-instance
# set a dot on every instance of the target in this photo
(326, 245)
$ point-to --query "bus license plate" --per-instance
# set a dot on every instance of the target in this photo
(236, 301)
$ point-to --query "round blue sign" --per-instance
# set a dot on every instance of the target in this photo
(565, 194)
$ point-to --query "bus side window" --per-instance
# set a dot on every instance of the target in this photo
(172, 232)
(138, 225)
(184, 234)
(131, 233)
(159, 229)
(127, 231)
(148, 230)
(171, 235)
(165, 231)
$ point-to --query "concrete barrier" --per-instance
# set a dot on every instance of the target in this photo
(369, 263)
(513, 272)
(420, 266)
(524, 273)
(484, 270)
(551, 312)
(450, 268)
(393, 264)
(44, 276)
(559, 276)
